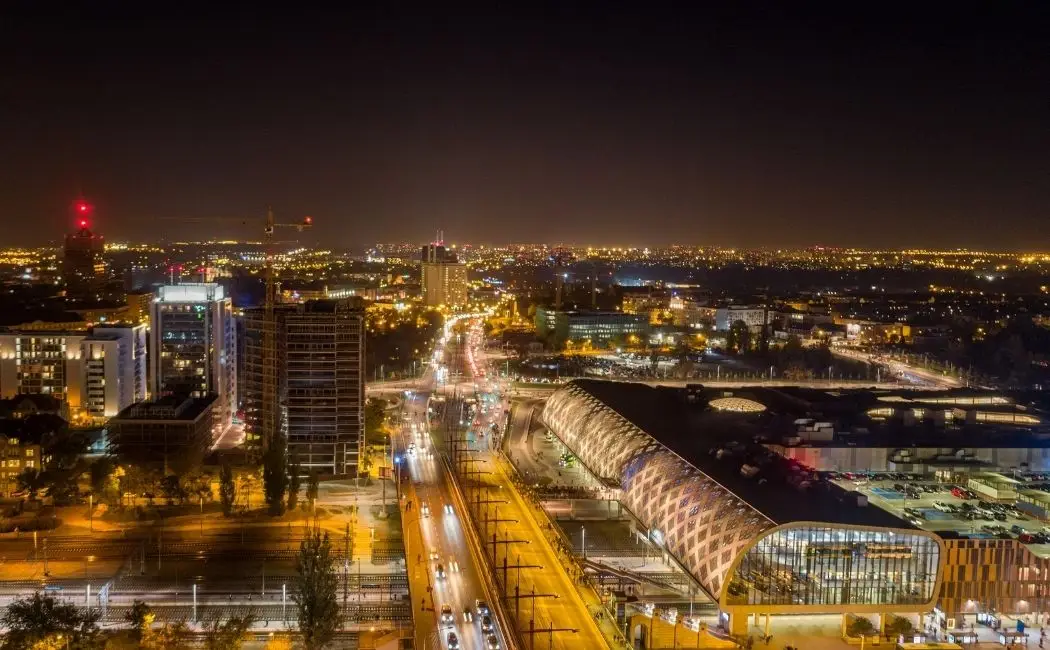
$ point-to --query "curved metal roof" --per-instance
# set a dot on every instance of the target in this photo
(702, 523)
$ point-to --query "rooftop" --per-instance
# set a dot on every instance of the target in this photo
(720, 444)
(190, 292)
(169, 408)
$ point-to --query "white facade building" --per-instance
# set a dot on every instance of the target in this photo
(193, 347)
(96, 373)
(755, 317)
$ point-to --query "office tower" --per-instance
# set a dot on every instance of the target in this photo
(589, 326)
(95, 374)
(443, 277)
(83, 265)
(320, 381)
(193, 346)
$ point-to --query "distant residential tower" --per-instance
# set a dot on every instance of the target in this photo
(443, 277)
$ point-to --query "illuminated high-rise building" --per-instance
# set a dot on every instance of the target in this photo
(193, 348)
(96, 374)
(443, 277)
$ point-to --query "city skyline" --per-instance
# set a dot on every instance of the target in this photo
(733, 127)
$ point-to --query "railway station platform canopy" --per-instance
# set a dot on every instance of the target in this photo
(758, 532)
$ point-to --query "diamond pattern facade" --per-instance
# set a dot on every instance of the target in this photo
(703, 525)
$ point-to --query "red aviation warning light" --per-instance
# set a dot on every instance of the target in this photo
(81, 211)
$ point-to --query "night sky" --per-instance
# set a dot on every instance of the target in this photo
(910, 124)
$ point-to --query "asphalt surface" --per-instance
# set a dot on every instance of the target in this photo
(438, 538)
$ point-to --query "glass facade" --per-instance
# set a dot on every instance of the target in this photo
(815, 565)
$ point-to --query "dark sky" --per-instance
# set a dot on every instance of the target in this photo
(911, 124)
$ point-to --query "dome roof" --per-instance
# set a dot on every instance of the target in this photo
(737, 404)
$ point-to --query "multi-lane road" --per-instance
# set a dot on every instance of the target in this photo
(444, 566)
(558, 605)
(542, 595)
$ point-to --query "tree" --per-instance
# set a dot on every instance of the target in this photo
(792, 353)
(35, 619)
(275, 476)
(101, 470)
(899, 625)
(313, 486)
(375, 416)
(247, 484)
(278, 643)
(315, 595)
(172, 489)
(861, 626)
(139, 614)
(738, 339)
(30, 480)
(227, 488)
(169, 636)
(295, 480)
(229, 635)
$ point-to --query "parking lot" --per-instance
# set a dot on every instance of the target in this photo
(947, 507)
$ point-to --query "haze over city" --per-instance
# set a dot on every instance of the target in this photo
(744, 124)
(581, 326)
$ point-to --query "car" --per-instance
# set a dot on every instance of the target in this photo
(453, 641)
(486, 623)
(942, 506)
(1017, 529)
(425, 509)
(446, 614)
(482, 607)
(440, 572)
(448, 508)
(468, 616)
(491, 642)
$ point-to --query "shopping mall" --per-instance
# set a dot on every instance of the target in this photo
(763, 533)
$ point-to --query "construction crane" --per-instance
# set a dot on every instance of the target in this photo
(269, 410)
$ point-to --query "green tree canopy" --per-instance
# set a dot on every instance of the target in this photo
(229, 634)
(34, 619)
(227, 488)
(315, 595)
(275, 476)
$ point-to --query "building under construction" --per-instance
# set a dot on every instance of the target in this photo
(319, 350)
